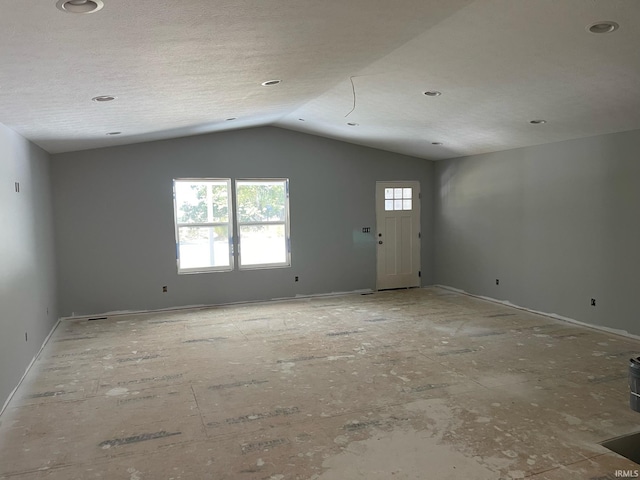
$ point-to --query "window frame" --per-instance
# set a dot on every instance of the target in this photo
(229, 224)
(286, 223)
(233, 225)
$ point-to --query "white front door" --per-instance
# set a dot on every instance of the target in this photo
(398, 234)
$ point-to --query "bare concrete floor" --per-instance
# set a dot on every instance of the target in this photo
(412, 384)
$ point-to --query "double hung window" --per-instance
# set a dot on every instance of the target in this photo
(262, 214)
(220, 225)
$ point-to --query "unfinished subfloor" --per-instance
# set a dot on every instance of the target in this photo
(411, 384)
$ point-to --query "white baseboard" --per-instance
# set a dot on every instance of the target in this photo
(613, 331)
(118, 313)
(13, 392)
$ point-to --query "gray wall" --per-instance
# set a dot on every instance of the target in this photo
(115, 232)
(558, 224)
(27, 276)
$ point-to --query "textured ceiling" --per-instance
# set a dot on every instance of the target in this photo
(183, 67)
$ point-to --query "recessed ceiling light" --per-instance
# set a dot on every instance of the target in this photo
(603, 27)
(232, 118)
(433, 93)
(268, 83)
(436, 143)
(352, 124)
(114, 133)
(103, 98)
(537, 122)
(79, 6)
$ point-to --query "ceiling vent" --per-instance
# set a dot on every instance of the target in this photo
(79, 6)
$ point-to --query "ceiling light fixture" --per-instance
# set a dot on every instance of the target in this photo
(79, 6)
(232, 118)
(352, 124)
(114, 133)
(537, 122)
(269, 83)
(436, 143)
(103, 98)
(603, 27)
(301, 119)
(433, 93)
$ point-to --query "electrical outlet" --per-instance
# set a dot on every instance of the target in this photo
(296, 278)
(497, 281)
(593, 302)
(164, 289)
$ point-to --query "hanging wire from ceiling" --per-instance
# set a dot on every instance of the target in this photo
(353, 89)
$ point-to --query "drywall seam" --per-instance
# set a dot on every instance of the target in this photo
(33, 360)
(118, 313)
(612, 331)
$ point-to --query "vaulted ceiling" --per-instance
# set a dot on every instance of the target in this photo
(185, 67)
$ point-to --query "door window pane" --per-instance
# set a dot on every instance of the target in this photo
(401, 199)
